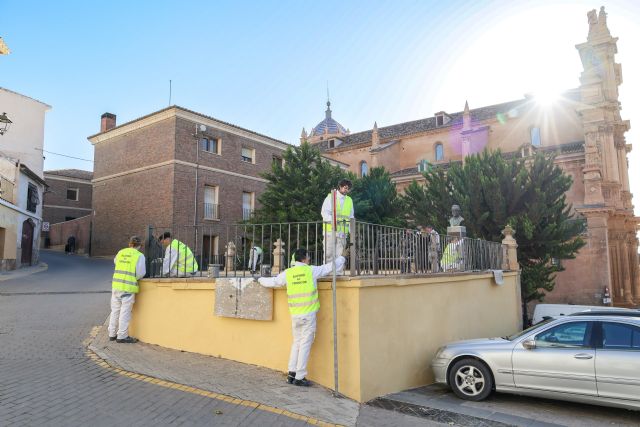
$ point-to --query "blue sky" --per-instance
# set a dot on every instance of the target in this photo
(265, 65)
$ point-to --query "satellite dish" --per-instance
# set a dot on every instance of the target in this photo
(203, 128)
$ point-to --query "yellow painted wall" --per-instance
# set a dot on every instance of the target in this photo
(9, 221)
(406, 321)
(388, 328)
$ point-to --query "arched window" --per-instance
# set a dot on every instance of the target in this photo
(364, 168)
(535, 137)
(439, 152)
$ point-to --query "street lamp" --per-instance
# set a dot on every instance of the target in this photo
(5, 123)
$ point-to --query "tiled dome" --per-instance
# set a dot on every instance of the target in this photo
(328, 125)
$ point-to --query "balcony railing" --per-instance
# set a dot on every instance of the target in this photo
(247, 214)
(372, 249)
(6, 189)
(211, 211)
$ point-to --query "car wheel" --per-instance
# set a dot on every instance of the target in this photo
(470, 379)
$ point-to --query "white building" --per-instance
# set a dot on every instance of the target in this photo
(21, 179)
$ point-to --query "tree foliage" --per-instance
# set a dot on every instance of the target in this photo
(526, 193)
(376, 199)
(295, 191)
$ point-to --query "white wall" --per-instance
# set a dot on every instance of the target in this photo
(25, 138)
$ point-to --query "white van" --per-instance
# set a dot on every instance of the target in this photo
(554, 310)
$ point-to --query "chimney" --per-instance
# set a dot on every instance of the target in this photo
(107, 122)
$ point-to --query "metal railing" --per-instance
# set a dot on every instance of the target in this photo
(211, 211)
(372, 249)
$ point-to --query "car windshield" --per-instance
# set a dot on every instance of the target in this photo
(529, 329)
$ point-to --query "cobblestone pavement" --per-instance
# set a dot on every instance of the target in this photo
(48, 377)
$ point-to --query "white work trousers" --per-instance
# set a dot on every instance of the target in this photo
(121, 305)
(304, 332)
(341, 243)
(255, 259)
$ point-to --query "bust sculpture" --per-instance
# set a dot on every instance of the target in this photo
(455, 219)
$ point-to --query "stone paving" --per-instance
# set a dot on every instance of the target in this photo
(47, 378)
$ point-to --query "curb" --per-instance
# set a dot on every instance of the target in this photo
(98, 360)
(19, 272)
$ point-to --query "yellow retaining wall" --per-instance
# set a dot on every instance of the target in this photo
(389, 328)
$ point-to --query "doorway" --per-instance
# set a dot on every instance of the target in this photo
(27, 242)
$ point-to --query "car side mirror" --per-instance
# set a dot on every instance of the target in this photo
(529, 344)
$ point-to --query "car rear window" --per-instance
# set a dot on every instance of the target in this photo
(620, 336)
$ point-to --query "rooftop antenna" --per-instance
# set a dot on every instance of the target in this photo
(169, 92)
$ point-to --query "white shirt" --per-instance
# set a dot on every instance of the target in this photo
(141, 266)
(169, 262)
(317, 271)
(327, 212)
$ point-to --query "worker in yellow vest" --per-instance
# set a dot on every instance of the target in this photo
(129, 268)
(302, 295)
(344, 210)
(178, 259)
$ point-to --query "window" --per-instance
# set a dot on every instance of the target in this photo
(364, 168)
(535, 137)
(332, 143)
(248, 155)
(72, 194)
(439, 152)
(211, 202)
(278, 161)
(423, 166)
(247, 205)
(618, 336)
(568, 335)
(210, 145)
(32, 198)
(440, 120)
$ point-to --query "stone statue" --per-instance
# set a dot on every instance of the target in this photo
(455, 219)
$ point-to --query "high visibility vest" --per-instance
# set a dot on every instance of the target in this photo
(301, 292)
(343, 216)
(124, 276)
(451, 256)
(185, 263)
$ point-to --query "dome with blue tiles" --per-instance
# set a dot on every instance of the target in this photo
(328, 125)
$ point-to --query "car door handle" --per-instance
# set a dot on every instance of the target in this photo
(583, 356)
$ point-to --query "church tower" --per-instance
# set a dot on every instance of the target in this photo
(328, 131)
(612, 242)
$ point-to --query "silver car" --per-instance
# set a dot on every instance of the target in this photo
(586, 357)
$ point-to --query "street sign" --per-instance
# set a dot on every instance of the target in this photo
(45, 226)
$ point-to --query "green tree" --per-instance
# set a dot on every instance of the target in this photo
(296, 191)
(376, 199)
(526, 193)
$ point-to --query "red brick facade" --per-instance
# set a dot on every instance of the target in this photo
(58, 202)
(145, 174)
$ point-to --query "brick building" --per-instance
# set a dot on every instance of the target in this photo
(585, 130)
(166, 167)
(68, 195)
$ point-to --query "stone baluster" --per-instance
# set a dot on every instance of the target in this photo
(509, 250)
(278, 257)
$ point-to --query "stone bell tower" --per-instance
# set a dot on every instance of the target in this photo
(611, 242)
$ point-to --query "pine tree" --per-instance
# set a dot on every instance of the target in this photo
(376, 199)
(526, 193)
(295, 191)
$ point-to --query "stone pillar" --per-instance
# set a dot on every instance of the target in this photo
(635, 267)
(230, 255)
(626, 271)
(278, 257)
(510, 247)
